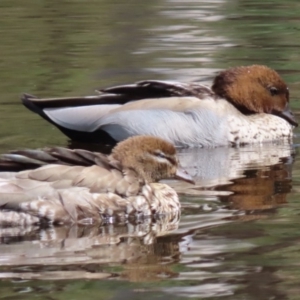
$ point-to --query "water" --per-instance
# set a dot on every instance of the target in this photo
(238, 237)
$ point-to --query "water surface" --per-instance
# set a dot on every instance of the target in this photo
(238, 236)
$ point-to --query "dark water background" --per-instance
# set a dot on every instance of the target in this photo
(239, 236)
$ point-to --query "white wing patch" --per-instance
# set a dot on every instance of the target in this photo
(89, 118)
(82, 118)
(184, 121)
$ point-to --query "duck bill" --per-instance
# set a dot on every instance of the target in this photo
(287, 115)
(182, 174)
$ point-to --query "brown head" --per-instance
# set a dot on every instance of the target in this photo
(255, 89)
(152, 158)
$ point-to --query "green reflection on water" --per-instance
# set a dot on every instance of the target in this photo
(61, 48)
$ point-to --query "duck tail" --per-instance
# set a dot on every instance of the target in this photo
(27, 102)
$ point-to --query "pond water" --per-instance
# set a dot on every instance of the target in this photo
(239, 234)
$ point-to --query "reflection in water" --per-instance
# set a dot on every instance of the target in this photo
(232, 185)
(250, 182)
(72, 47)
(219, 166)
(61, 247)
(261, 189)
(185, 50)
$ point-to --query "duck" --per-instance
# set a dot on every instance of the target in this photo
(244, 105)
(64, 186)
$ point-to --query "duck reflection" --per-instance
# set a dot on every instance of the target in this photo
(245, 179)
(239, 184)
(78, 251)
(260, 190)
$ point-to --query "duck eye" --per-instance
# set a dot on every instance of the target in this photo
(273, 90)
(160, 154)
(162, 157)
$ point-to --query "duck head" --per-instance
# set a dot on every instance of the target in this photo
(255, 89)
(150, 157)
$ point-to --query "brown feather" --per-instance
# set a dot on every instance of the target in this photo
(96, 193)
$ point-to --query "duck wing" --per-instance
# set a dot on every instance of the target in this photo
(149, 89)
(65, 168)
(30, 159)
(121, 94)
(61, 193)
(90, 119)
